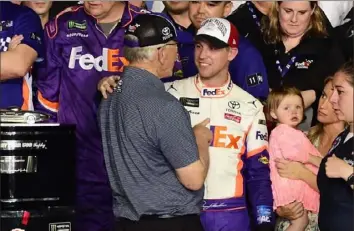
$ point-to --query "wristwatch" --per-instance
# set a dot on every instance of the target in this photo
(350, 179)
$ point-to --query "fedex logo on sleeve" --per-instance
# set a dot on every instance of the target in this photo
(108, 61)
(261, 136)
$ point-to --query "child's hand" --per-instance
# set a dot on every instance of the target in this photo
(15, 41)
(300, 223)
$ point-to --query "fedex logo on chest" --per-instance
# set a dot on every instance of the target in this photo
(223, 139)
(108, 61)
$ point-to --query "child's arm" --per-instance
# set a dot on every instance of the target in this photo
(315, 160)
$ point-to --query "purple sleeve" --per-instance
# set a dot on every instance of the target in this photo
(49, 74)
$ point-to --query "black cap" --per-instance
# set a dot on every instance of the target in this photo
(150, 29)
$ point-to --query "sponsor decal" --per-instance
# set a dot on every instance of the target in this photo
(108, 61)
(234, 118)
(335, 144)
(261, 136)
(234, 105)
(190, 102)
(262, 122)
(263, 160)
(77, 25)
(5, 25)
(254, 80)
(35, 37)
(207, 206)
(212, 92)
(222, 139)
(253, 103)
(264, 214)
(166, 32)
(171, 87)
(77, 35)
(62, 226)
(303, 65)
(193, 112)
(132, 28)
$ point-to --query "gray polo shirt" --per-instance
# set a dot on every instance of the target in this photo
(146, 135)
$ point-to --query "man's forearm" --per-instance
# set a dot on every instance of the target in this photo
(204, 158)
(11, 66)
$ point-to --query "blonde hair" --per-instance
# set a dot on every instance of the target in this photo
(276, 96)
(273, 32)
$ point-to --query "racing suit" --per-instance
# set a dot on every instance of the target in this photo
(247, 70)
(238, 171)
(79, 55)
(19, 20)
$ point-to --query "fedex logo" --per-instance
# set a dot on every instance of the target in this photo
(214, 92)
(223, 140)
(260, 136)
(108, 61)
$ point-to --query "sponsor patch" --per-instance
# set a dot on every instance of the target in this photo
(62, 226)
(264, 214)
(263, 160)
(77, 25)
(303, 65)
(260, 136)
(254, 80)
(262, 122)
(189, 102)
(234, 105)
(231, 117)
(5, 25)
(35, 37)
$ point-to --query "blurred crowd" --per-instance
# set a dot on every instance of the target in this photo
(274, 80)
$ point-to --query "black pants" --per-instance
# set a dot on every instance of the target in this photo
(153, 223)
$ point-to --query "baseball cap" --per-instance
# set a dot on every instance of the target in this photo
(150, 29)
(219, 33)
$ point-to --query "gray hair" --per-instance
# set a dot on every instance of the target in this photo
(139, 53)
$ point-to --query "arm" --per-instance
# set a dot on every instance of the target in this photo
(178, 144)
(24, 55)
(315, 160)
(257, 177)
(309, 97)
(49, 75)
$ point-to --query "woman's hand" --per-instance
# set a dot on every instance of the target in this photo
(290, 169)
(338, 168)
(291, 211)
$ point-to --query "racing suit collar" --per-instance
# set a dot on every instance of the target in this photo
(213, 92)
(127, 16)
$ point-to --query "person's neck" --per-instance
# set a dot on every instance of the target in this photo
(218, 80)
(115, 14)
(146, 66)
(291, 42)
(181, 19)
(331, 131)
(44, 19)
(263, 7)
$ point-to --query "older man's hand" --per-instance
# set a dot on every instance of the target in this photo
(107, 85)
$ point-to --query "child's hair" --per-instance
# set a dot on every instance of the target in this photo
(276, 96)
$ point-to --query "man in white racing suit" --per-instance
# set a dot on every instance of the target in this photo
(238, 192)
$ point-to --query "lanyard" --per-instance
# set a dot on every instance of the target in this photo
(284, 71)
(253, 12)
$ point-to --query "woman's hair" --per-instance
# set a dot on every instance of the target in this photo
(273, 32)
(315, 132)
(348, 70)
(275, 98)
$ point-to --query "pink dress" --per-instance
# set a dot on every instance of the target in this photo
(291, 144)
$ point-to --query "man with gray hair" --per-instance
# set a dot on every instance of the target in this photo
(156, 162)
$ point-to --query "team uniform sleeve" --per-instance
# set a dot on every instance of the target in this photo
(257, 174)
(49, 74)
(29, 25)
(175, 134)
(248, 71)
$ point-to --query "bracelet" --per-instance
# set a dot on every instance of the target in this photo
(350, 179)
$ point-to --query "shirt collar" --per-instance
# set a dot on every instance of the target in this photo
(213, 92)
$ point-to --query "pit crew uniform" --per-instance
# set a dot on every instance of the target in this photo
(238, 171)
(79, 56)
(19, 20)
